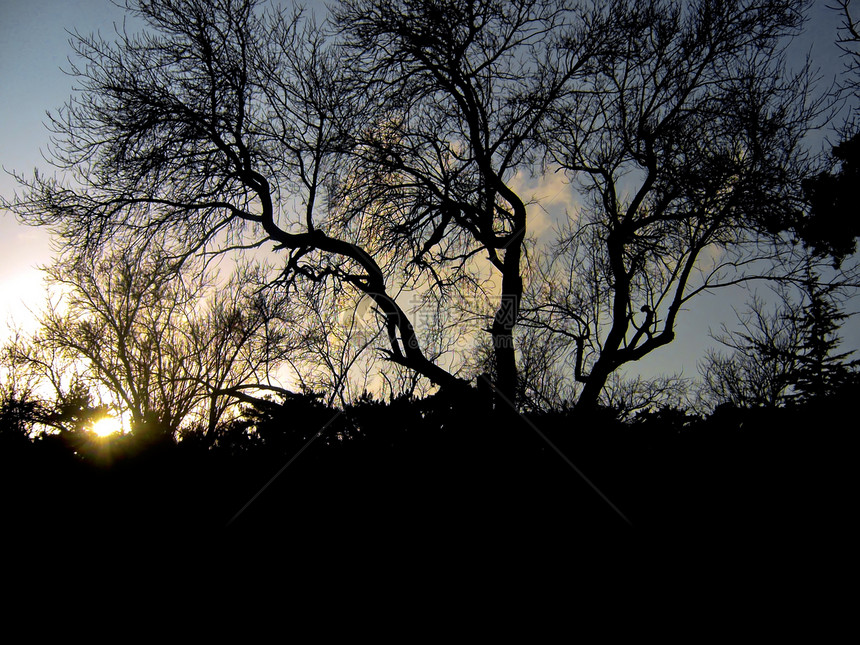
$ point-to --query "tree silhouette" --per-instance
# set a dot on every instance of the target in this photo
(219, 128)
(463, 88)
(617, 96)
(382, 152)
(781, 355)
(18, 412)
(819, 371)
(848, 40)
(170, 348)
(832, 224)
(763, 361)
(44, 390)
(686, 146)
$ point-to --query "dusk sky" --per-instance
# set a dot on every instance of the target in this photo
(33, 49)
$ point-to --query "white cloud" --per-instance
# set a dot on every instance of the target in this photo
(549, 199)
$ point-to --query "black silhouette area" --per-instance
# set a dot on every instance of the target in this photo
(385, 154)
(439, 470)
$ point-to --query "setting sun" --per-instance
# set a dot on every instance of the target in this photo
(107, 426)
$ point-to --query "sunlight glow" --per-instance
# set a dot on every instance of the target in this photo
(107, 426)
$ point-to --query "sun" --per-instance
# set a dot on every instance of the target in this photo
(107, 426)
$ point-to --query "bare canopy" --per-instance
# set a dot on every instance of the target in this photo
(382, 150)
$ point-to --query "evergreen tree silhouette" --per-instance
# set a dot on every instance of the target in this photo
(820, 370)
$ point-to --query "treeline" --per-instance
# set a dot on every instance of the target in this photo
(426, 467)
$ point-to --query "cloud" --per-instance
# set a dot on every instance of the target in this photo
(549, 199)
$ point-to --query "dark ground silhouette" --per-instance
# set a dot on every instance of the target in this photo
(443, 470)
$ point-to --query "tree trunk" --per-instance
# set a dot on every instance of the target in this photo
(590, 396)
(503, 328)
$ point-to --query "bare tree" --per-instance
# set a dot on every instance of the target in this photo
(239, 337)
(782, 353)
(339, 332)
(216, 129)
(380, 152)
(171, 348)
(678, 122)
(41, 390)
(686, 147)
(848, 40)
(464, 87)
(117, 317)
(627, 397)
(762, 358)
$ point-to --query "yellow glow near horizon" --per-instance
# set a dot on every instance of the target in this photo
(107, 426)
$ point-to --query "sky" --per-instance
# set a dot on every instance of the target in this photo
(33, 49)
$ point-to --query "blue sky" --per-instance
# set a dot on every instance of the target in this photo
(33, 48)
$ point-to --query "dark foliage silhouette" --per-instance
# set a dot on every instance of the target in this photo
(833, 223)
(418, 470)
